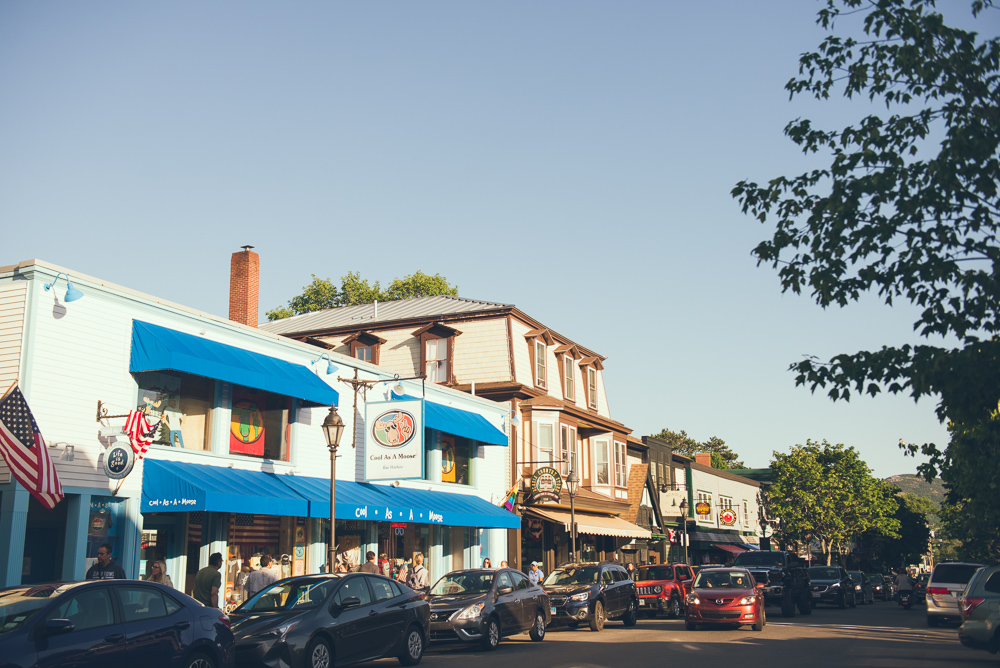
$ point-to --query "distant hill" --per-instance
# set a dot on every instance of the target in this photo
(914, 484)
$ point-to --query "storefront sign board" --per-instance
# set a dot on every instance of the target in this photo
(394, 440)
(546, 484)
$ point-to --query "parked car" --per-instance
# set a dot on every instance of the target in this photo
(945, 585)
(725, 596)
(862, 587)
(662, 588)
(484, 605)
(101, 623)
(980, 608)
(880, 587)
(316, 621)
(785, 579)
(832, 585)
(592, 593)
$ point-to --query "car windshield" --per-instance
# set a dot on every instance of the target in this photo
(656, 573)
(824, 573)
(876, 578)
(478, 582)
(954, 573)
(572, 575)
(856, 576)
(722, 580)
(759, 559)
(19, 604)
(291, 595)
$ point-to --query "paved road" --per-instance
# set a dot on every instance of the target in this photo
(873, 635)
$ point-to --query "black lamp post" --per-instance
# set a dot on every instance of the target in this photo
(684, 519)
(333, 429)
(571, 483)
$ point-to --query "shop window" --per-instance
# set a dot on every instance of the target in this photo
(456, 459)
(546, 442)
(621, 479)
(182, 405)
(601, 455)
(260, 425)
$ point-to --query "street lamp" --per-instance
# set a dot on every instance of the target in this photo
(684, 520)
(571, 483)
(333, 429)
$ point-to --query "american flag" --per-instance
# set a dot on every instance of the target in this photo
(255, 530)
(139, 431)
(24, 450)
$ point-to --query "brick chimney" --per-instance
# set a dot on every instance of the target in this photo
(244, 287)
(703, 458)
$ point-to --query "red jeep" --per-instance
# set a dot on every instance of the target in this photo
(663, 588)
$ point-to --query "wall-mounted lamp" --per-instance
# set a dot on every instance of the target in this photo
(72, 294)
(67, 455)
(330, 368)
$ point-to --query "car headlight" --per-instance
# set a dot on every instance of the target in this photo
(693, 599)
(834, 585)
(583, 596)
(279, 632)
(746, 600)
(657, 589)
(857, 587)
(472, 611)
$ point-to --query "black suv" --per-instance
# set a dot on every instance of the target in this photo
(833, 585)
(592, 593)
(785, 579)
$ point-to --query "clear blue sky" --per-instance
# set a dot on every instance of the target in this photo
(573, 158)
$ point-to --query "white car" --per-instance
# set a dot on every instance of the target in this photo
(948, 581)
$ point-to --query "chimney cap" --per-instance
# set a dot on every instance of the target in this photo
(246, 248)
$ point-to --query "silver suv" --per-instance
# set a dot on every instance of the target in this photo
(980, 606)
(947, 582)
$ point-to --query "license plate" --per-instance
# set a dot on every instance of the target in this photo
(816, 594)
(642, 602)
(553, 610)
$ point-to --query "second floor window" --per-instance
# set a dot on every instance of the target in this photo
(540, 350)
(570, 378)
(603, 468)
(436, 359)
(592, 387)
(546, 441)
(363, 353)
(567, 450)
(746, 513)
(621, 479)
(704, 497)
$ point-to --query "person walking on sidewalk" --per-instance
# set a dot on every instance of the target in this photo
(104, 568)
(208, 582)
(419, 579)
(261, 578)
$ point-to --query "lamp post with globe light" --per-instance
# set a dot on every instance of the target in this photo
(333, 429)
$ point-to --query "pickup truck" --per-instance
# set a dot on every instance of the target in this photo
(785, 579)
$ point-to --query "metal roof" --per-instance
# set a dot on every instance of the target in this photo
(366, 315)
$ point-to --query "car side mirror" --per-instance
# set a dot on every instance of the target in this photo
(349, 602)
(505, 590)
(58, 627)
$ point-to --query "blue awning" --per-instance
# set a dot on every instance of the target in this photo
(382, 503)
(156, 348)
(180, 486)
(455, 421)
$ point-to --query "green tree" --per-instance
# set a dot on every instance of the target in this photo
(722, 456)
(322, 294)
(914, 532)
(827, 493)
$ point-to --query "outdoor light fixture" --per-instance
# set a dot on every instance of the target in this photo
(333, 429)
(72, 294)
(330, 368)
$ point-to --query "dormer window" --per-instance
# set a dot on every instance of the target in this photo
(570, 379)
(540, 354)
(364, 346)
(567, 355)
(539, 341)
(590, 366)
(437, 352)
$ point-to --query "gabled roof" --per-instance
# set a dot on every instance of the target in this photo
(365, 315)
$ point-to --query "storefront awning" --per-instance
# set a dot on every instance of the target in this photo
(730, 548)
(713, 537)
(384, 503)
(597, 525)
(180, 486)
(156, 348)
(455, 421)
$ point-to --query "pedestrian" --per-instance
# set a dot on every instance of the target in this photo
(535, 575)
(208, 582)
(503, 564)
(260, 579)
(486, 563)
(369, 566)
(384, 565)
(104, 568)
(158, 573)
(419, 580)
(630, 569)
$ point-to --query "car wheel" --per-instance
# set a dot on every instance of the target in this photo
(690, 626)
(492, 636)
(413, 650)
(199, 661)
(853, 603)
(537, 631)
(319, 654)
(932, 621)
(787, 605)
(631, 615)
(761, 620)
(597, 619)
(805, 604)
(674, 611)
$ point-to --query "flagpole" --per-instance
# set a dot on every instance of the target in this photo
(12, 385)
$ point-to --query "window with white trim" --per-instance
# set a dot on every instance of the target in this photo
(704, 497)
(540, 351)
(436, 360)
(567, 449)
(620, 465)
(746, 513)
(592, 387)
(568, 364)
(602, 463)
(546, 441)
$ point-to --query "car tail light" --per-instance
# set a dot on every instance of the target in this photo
(937, 591)
(969, 604)
(224, 618)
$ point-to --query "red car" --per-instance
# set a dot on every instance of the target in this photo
(663, 588)
(725, 596)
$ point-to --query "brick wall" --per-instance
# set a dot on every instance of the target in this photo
(636, 482)
(244, 287)
(703, 458)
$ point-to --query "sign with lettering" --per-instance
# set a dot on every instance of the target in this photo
(546, 484)
(394, 440)
(727, 517)
(119, 459)
(702, 508)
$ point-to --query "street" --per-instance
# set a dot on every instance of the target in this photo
(882, 634)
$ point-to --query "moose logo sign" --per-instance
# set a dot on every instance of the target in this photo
(394, 440)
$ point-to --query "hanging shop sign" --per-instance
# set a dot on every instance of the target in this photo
(727, 516)
(702, 508)
(119, 459)
(546, 484)
(394, 440)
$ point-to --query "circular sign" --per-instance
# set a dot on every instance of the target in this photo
(118, 461)
(702, 508)
(546, 483)
(727, 517)
(393, 429)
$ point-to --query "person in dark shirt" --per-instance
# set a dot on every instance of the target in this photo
(369, 566)
(104, 568)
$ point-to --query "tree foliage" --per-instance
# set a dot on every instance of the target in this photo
(827, 493)
(908, 206)
(913, 539)
(322, 294)
(682, 444)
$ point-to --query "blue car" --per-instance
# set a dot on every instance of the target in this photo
(110, 624)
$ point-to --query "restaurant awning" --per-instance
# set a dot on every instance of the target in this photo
(156, 348)
(730, 548)
(597, 525)
(459, 422)
(169, 486)
(384, 503)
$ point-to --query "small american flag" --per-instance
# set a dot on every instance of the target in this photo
(24, 450)
(139, 432)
